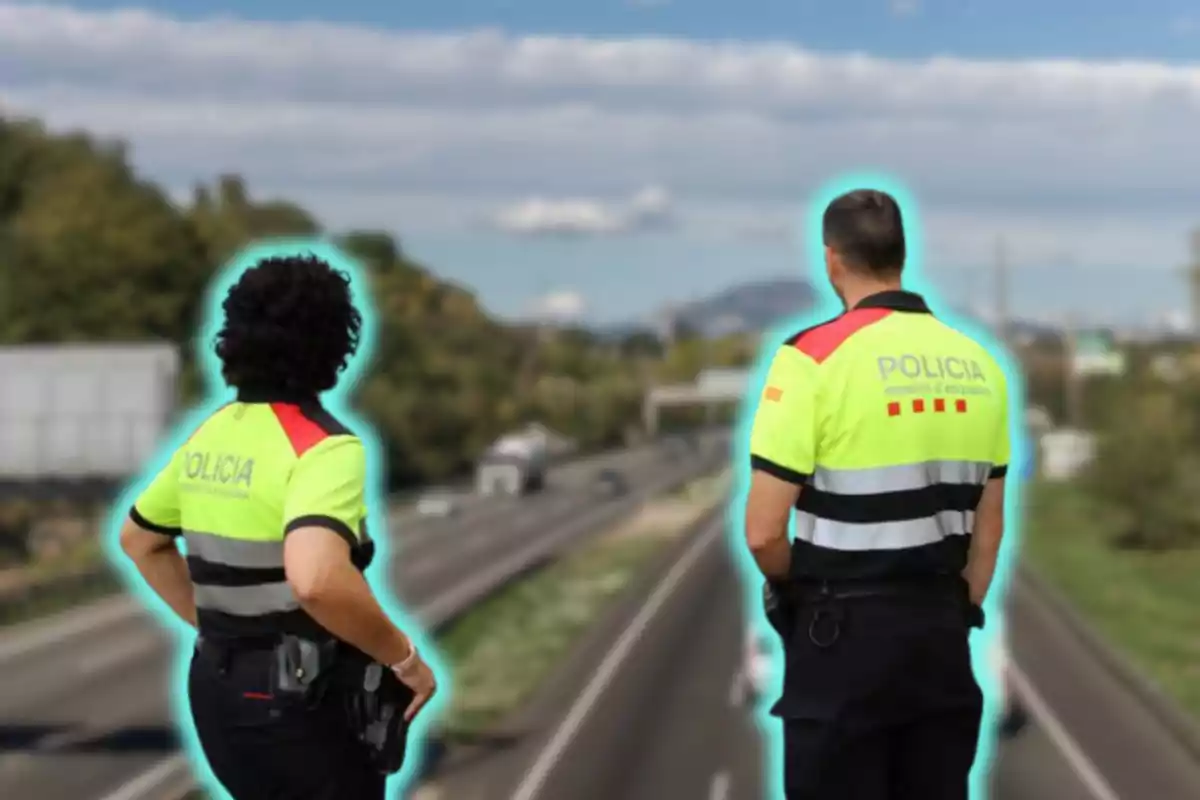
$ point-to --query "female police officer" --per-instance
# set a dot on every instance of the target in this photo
(268, 494)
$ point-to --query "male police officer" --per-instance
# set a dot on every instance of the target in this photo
(887, 431)
(287, 687)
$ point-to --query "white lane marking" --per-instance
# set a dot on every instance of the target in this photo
(1087, 772)
(719, 788)
(150, 780)
(535, 778)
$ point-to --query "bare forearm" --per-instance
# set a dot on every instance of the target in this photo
(981, 566)
(166, 573)
(773, 556)
(346, 607)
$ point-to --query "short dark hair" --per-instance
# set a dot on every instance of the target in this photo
(290, 325)
(865, 228)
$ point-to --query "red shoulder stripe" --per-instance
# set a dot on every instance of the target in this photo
(820, 343)
(301, 431)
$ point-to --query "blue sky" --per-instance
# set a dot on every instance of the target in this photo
(603, 159)
(1159, 29)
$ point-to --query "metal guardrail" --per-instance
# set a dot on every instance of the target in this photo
(88, 583)
(21, 602)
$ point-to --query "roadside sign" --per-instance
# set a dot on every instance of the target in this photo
(1095, 353)
(723, 382)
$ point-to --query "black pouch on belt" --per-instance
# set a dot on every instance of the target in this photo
(376, 709)
(302, 667)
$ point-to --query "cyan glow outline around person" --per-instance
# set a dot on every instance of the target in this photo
(828, 305)
(337, 401)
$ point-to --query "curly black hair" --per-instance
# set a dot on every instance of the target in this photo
(290, 326)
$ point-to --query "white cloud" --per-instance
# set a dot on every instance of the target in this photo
(329, 112)
(562, 305)
(649, 209)
(904, 8)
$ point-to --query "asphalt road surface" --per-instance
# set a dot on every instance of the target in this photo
(657, 717)
(85, 715)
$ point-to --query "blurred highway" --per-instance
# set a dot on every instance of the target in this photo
(656, 715)
(83, 701)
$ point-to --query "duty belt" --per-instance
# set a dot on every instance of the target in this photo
(822, 598)
(374, 698)
(810, 591)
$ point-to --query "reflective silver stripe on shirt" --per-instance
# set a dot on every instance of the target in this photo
(246, 601)
(883, 535)
(234, 552)
(904, 477)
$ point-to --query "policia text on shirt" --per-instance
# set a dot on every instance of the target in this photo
(300, 687)
(887, 432)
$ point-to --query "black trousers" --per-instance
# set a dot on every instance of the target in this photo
(262, 747)
(883, 706)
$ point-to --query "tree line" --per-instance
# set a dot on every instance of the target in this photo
(91, 251)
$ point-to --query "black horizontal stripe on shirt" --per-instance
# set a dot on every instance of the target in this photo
(778, 470)
(908, 504)
(211, 573)
(154, 527)
(813, 562)
(322, 521)
(998, 471)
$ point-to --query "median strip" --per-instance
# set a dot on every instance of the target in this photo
(501, 651)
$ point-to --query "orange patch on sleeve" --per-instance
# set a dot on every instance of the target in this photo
(774, 394)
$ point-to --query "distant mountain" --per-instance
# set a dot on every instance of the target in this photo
(747, 307)
(759, 305)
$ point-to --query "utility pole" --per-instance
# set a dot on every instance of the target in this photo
(1072, 380)
(1193, 278)
(1000, 276)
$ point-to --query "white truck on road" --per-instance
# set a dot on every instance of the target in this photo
(515, 465)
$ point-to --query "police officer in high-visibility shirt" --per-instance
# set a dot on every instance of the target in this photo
(887, 432)
(289, 675)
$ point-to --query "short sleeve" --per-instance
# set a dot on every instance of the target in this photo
(157, 507)
(327, 488)
(783, 435)
(1002, 448)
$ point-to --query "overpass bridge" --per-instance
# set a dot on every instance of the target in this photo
(712, 388)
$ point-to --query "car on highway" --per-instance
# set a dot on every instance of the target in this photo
(1013, 715)
(755, 674)
(437, 504)
(756, 668)
(610, 483)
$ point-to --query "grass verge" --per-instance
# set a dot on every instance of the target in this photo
(502, 650)
(1145, 603)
